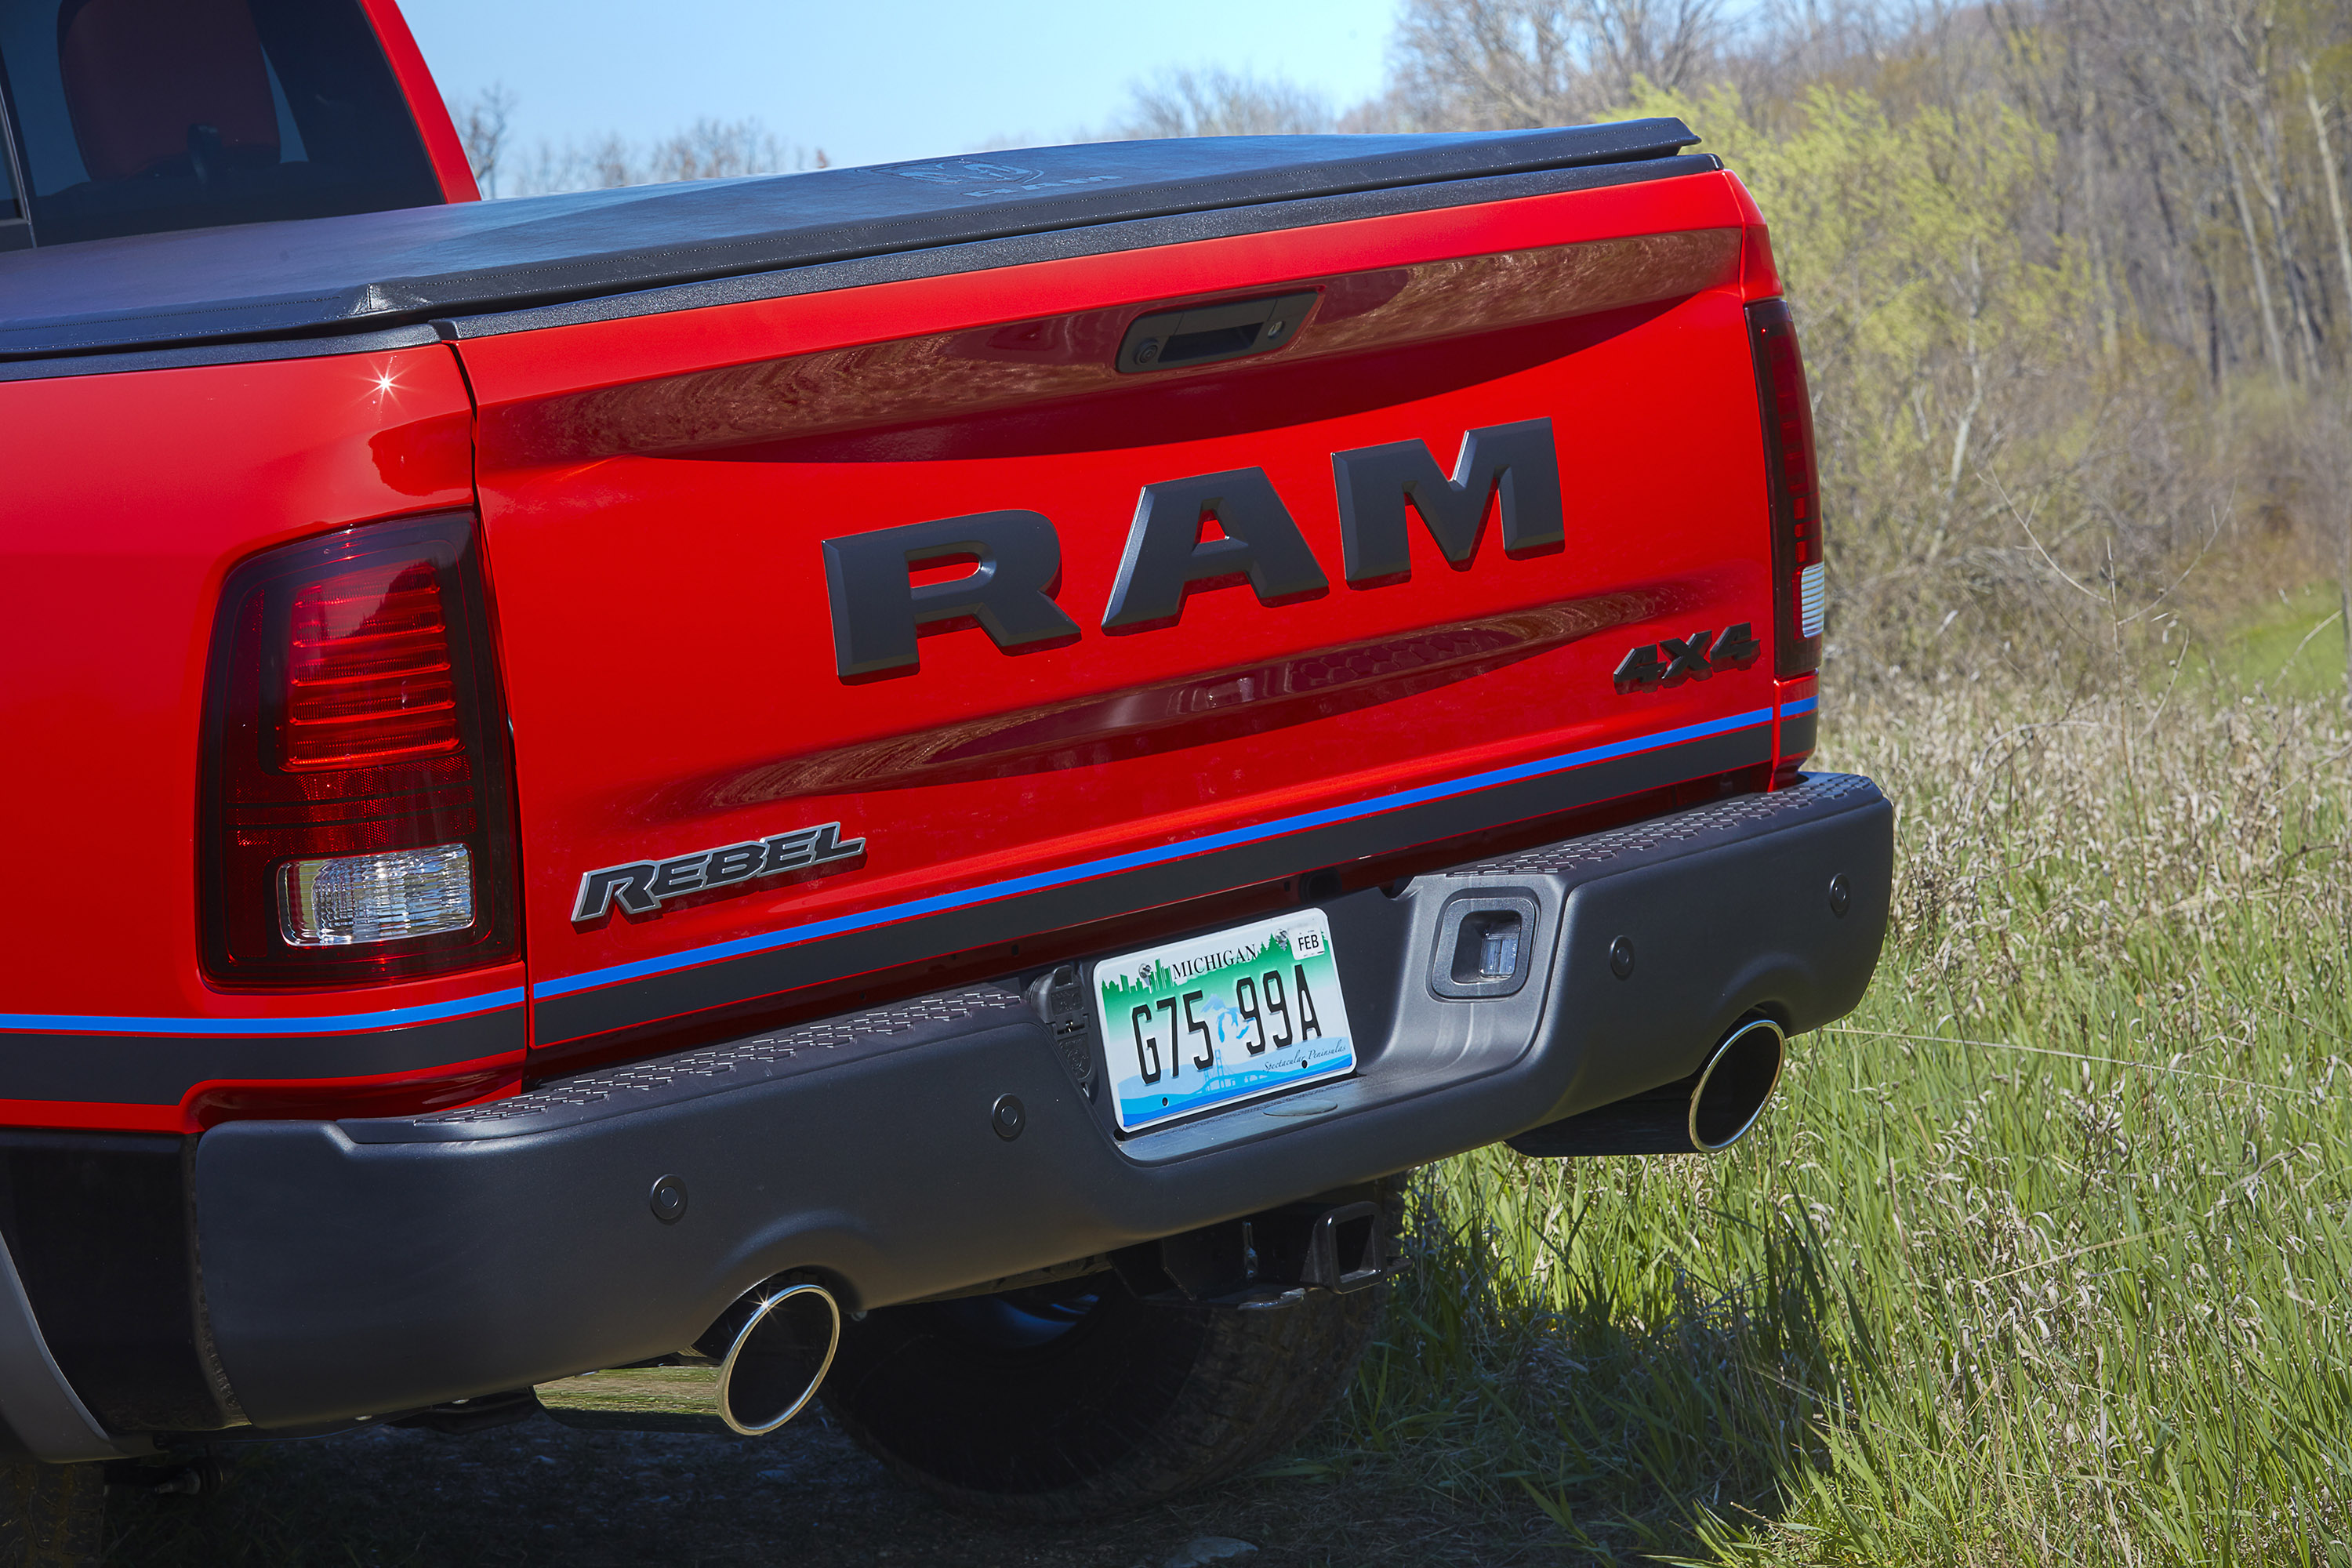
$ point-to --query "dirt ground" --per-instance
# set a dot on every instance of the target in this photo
(540, 1493)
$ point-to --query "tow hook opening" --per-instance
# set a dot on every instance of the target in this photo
(752, 1371)
(1709, 1110)
(1486, 945)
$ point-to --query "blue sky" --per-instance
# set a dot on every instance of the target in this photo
(875, 80)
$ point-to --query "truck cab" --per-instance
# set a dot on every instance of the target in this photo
(127, 117)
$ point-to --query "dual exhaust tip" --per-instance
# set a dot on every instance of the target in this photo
(758, 1367)
(1735, 1084)
(1711, 1110)
(778, 1345)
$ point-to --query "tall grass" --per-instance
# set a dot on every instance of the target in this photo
(2043, 1255)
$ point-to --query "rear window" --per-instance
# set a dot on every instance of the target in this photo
(129, 116)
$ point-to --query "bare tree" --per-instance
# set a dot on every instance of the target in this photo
(709, 149)
(2331, 177)
(1471, 64)
(1672, 44)
(484, 121)
(1790, 45)
(1218, 102)
(1507, 64)
(2077, 273)
(720, 150)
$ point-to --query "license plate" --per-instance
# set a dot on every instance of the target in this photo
(1218, 1019)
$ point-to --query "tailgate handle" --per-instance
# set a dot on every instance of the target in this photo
(1169, 340)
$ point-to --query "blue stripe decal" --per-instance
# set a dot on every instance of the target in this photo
(1088, 871)
(1801, 706)
(329, 1024)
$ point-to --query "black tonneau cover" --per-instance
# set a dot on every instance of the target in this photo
(373, 271)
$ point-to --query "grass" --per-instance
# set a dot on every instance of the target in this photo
(2040, 1257)
(2043, 1255)
(2292, 647)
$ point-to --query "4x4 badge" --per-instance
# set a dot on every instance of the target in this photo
(1693, 658)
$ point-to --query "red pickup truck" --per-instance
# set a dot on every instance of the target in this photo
(914, 786)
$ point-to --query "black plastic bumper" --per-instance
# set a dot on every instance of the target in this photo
(366, 1266)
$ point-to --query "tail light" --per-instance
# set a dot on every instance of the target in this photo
(358, 818)
(1788, 410)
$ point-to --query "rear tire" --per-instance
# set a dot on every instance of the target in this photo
(1077, 1400)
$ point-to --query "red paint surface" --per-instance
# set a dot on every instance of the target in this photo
(1789, 759)
(131, 497)
(377, 1094)
(664, 628)
(666, 618)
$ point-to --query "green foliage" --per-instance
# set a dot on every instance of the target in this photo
(2294, 647)
(2000, 445)
(1934, 321)
(2042, 1257)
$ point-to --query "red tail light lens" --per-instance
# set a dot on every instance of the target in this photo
(1795, 483)
(358, 814)
(369, 679)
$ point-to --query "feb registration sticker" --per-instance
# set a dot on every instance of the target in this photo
(1223, 1018)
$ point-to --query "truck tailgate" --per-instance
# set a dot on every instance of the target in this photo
(691, 668)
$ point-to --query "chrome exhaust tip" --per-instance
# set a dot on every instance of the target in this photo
(1737, 1084)
(755, 1369)
(780, 1349)
(1710, 1110)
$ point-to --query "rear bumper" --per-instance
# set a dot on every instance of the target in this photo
(372, 1265)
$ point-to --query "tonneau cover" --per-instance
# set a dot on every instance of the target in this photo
(371, 270)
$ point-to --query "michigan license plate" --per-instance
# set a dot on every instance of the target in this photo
(1223, 1018)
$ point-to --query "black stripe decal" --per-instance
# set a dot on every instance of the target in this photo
(579, 1014)
(160, 1069)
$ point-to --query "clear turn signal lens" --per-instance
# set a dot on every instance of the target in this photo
(376, 898)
